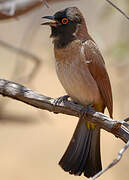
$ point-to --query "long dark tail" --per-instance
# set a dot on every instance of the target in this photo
(83, 152)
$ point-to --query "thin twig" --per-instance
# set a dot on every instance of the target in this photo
(46, 4)
(113, 163)
(122, 12)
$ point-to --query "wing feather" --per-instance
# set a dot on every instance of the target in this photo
(97, 69)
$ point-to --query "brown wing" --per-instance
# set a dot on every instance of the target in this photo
(97, 69)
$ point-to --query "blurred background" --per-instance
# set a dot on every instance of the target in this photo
(32, 141)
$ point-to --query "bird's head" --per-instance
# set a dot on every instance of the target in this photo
(65, 23)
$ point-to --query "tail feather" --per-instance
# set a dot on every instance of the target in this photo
(78, 165)
(72, 154)
(93, 164)
(83, 152)
(83, 159)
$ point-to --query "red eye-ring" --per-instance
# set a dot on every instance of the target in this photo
(64, 21)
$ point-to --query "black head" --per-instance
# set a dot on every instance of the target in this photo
(64, 25)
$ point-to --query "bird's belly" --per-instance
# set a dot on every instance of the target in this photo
(78, 82)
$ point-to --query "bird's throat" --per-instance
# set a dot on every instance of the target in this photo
(63, 40)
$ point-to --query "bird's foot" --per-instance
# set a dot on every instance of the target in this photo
(83, 113)
(84, 110)
(61, 99)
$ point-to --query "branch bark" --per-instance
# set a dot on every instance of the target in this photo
(16, 91)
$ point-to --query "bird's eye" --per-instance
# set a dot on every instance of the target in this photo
(64, 21)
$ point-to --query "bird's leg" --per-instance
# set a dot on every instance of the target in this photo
(61, 99)
(83, 113)
(84, 110)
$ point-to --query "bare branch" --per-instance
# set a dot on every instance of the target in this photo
(15, 8)
(122, 12)
(24, 53)
(21, 93)
(114, 162)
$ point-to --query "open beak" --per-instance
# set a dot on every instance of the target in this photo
(50, 23)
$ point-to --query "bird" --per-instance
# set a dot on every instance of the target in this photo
(81, 70)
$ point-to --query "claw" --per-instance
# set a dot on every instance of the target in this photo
(61, 99)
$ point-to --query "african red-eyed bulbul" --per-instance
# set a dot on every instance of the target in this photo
(81, 70)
